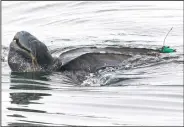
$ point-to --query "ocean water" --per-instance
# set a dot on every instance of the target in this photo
(146, 92)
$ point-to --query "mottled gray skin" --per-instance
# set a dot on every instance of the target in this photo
(20, 60)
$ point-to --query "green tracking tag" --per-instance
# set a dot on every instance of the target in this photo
(167, 49)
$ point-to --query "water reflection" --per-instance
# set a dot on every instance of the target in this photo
(31, 82)
(23, 124)
(26, 98)
(32, 86)
(32, 75)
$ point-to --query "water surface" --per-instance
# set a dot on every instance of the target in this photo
(146, 92)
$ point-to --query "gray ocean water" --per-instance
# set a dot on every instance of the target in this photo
(149, 93)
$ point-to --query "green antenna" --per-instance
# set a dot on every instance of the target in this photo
(167, 35)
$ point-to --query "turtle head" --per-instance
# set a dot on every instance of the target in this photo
(27, 53)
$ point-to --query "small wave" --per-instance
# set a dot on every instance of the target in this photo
(104, 76)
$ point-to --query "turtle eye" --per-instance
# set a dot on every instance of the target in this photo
(15, 39)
